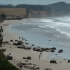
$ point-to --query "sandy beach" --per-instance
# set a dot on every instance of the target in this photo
(18, 53)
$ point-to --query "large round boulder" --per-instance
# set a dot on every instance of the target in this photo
(53, 61)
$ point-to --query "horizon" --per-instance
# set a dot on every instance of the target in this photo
(31, 2)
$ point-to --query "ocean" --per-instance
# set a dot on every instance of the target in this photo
(39, 31)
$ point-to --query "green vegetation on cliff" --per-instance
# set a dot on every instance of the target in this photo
(4, 64)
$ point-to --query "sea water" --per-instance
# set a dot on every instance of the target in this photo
(39, 31)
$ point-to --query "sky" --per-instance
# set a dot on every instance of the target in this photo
(42, 2)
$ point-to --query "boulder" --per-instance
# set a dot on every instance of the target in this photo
(37, 49)
(47, 48)
(9, 57)
(48, 69)
(24, 58)
(53, 48)
(68, 61)
(11, 40)
(20, 46)
(16, 40)
(27, 48)
(29, 57)
(53, 61)
(32, 45)
(14, 43)
(44, 49)
(60, 51)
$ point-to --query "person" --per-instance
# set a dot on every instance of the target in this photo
(40, 53)
(19, 37)
(39, 56)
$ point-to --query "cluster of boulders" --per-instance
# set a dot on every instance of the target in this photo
(5, 42)
(46, 49)
(18, 43)
(29, 58)
(3, 50)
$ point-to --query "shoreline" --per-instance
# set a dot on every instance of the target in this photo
(18, 56)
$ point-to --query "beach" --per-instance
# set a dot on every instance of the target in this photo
(19, 53)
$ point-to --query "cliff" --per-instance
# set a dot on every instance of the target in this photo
(38, 13)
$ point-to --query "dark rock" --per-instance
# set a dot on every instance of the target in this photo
(68, 61)
(27, 48)
(14, 43)
(53, 48)
(47, 48)
(11, 40)
(24, 58)
(60, 51)
(37, 49)
(48, 69)
(9, 57)
(16, 40)
(20, 47)
(44, 49)
(18, 44)
(53, 61)
(29, 57)
(32, 45)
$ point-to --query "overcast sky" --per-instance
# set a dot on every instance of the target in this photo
(43, 2)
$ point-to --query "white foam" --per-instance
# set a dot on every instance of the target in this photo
(47, 20)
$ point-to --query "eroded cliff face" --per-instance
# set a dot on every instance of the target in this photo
(38, 13)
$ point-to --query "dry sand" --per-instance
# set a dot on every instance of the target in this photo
(18, 54)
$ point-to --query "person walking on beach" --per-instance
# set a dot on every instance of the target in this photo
(39, 56)
(40, 53)
(19, 37)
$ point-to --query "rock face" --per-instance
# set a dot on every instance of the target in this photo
(37, 13)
